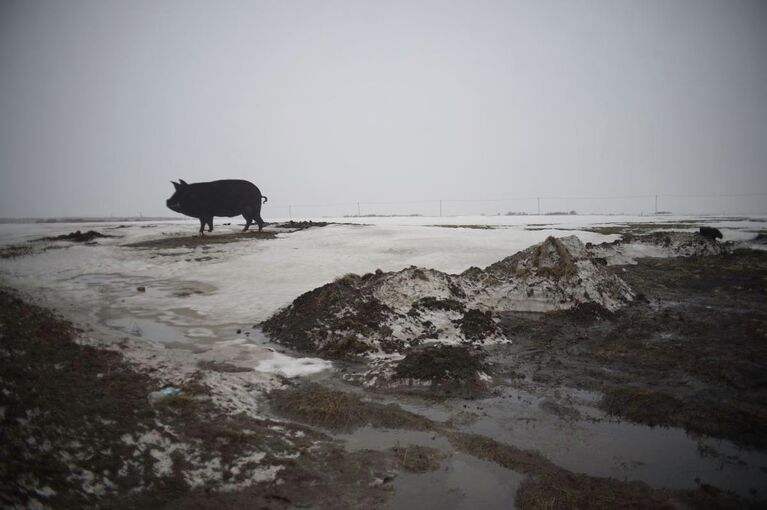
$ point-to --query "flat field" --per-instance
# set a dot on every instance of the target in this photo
(306, 366)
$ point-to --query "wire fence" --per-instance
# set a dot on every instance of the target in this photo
(667, 203)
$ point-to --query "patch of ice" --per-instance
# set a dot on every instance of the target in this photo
(401, 289)
(199, 332)
(45, 492)
(288, 366)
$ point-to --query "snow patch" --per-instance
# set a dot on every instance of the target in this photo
(288, 366)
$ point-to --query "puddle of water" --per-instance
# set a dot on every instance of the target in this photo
(461, 483)
(662, 457)
(149, 329)
(245, 348)
(366, 438)
(120, 285)
(659, 456)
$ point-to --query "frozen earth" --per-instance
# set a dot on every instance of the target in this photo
(180, 308)
(204, 300)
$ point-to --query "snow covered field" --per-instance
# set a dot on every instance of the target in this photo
(184, 306)
(198, 298)
(207, 290)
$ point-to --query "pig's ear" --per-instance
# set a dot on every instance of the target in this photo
(182, 181)
(175, 184)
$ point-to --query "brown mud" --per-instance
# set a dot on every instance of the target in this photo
(194, 241)
(448, 369)
(391, 312)
(79, 431)
(295, 226)
(78, 237)
(42, 244)
(546, 485)
(690, 352)
(204, 240)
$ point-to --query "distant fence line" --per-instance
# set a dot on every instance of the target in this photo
(713, 203)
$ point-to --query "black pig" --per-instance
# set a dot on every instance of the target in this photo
(711, 233)
(230, 197)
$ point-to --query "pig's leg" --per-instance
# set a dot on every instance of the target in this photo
(257, 216)
(202, 225)
(209, 221)
(248, 221)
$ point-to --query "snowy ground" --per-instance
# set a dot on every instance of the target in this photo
(200, 304)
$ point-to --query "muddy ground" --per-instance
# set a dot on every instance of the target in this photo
(690, 352)
(192, 240)
(80, 430)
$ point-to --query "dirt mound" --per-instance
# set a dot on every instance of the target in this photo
(300, 225)
(657, 244)
(391, 312)
(36, 246)
(442, 365)
(379, 312)
(78, 237)
(384, 316)
(476, 325)
(340, 319)
(316, 405)
(586, 313)
(195, 241)
(556, 274)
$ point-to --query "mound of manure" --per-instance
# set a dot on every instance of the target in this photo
(658, 244)
(391, 312)
(442, 365)
(77, 237)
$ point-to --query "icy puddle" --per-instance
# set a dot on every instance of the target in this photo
(230, 343)
(596, 445)
(660, 456)
(460, 481)
(463, 482)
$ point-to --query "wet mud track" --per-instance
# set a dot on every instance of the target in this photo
(661, 404)
(691, 352)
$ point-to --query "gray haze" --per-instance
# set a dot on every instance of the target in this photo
(321, 102)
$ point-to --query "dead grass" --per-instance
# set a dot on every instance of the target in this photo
(639, 228)
(478, 325)
(550, 487)
(510, 457)
(564, 267)
(419, 459)
(316, 405)
(16, 250)
(194, 241)
(699, 414)
(441, 365)
(217, 366)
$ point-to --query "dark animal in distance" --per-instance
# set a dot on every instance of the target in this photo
(711, 233)
(229, 197)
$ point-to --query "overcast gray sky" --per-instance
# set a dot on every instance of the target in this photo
(103, 102)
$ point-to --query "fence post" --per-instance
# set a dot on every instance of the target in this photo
(539, 206)
(440, 208)
(290, 212)
(358, 210)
